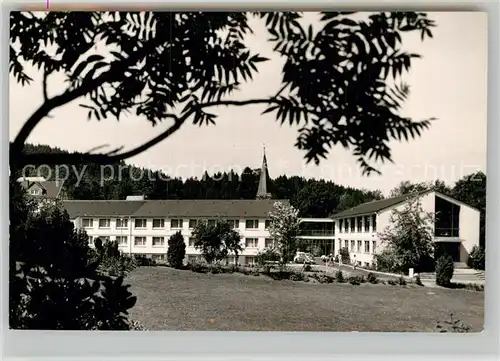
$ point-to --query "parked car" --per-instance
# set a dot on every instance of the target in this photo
(304, 257)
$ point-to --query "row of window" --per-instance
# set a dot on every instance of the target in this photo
(250, 242)
(359, 246)
(159, 223)
(358, 224)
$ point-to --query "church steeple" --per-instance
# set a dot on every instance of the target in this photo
(264, 175)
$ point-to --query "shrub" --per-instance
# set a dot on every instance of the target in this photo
(444, 270)
(392, 282)
(453, 325)
(111, 260)
(197, 267)
(307, 268)
(54, 281)
(372, 278)
(356, 280)
(176, 250)
(322, 278)
(339, 276)
(344, 255)
(386, 261)
(143, 261)
(418, 281)
(476, 258)
(402, 281)
(267, 257)
(298, 276)
(137, 326)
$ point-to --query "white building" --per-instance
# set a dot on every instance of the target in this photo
(456, 226)
(143, 226)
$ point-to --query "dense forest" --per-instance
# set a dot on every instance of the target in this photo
(313, 198)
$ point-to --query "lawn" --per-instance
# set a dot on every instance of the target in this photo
(182, 300)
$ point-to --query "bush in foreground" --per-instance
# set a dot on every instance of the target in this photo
(176, 250)
(476, 258)
(339, 276)
(444, 270)
(371, 278)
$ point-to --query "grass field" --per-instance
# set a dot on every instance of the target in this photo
(182, 300)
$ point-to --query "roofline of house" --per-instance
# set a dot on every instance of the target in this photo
(417, 194)
(453, 200)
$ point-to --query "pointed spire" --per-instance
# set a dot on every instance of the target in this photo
(264, 175)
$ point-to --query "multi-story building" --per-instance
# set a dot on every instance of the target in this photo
(455, 226)
(143, 226)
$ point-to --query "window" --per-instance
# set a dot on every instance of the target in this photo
(367, 246)
(374, 223)
(367, 265)
(158, 223)
(91, 240)
(105, 223)
(358, 224)
(367, 223)
(211, 222)
(122, 240)
(102, 238)
(267, 224)
(158, 241)
(353, 246)
(140, 223)
(360, 244)
(139, 241)
(234, 223)
(341, 224)
(191, 242)
(252, 224)
(158, 257)
(88, 223)
(192, 223)
(269, 242)
(374, 246)
(176, 223)
(249, 260)
(35, 191)
(346, 225)
(251, 242)
(122, 223)
(346, 244)
(352, 224)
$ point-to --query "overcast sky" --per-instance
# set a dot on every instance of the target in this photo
(449, 83)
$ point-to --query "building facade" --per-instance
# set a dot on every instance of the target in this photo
(455, 226)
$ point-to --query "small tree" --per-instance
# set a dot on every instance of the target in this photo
(444, 270)
(217, 240)
(176, 250)
(476, 258)
(344, 255)
(54, 283)
(111, 260)
(283, 230)
(410, 237)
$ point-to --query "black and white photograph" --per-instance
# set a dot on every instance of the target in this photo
(247, 171)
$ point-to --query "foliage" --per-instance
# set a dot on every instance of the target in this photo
(408, 187)
(283, 229)
(339, 276)
(372, 278)
(418, 281)
(111, 260)
(216, 240)
(444, 270)
(322, 277)
(176, 250)
(198, 267)
(137, 326)
(143, 261)
(158, 62)
(306, 268)
(402, 281)
(344, 255)
(471, 189)
(409, 238)
(53, 283)
(476, 258)
(356, 280)
(267, 256)
(453, 325)
(387, 261)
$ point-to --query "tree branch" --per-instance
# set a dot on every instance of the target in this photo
(44, 85)
(116, 70)
(83, 158)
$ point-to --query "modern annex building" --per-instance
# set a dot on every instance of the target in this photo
(456, 226)
(143, 226)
